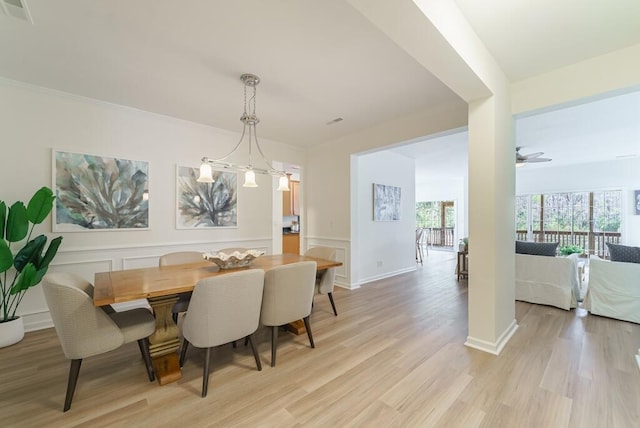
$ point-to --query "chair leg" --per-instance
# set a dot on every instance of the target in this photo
(144, 350)
(175, 317)
(307, 326)
(74, 371)
(255, 352)
(333, 304)
(274, 344)
(183, 351)
(205, 373)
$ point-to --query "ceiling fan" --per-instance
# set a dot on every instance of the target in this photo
(530, 158)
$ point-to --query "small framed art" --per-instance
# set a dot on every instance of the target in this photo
(386, 202)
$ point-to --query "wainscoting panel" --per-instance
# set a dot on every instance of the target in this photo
(343, 250)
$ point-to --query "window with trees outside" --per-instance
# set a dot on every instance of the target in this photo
(586, 219)
(438, 220)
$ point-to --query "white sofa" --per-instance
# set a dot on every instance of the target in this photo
(548, 280)
(614, 290)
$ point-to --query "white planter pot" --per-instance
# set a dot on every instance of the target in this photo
(11, 332)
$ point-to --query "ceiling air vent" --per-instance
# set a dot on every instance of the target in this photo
(17, 9)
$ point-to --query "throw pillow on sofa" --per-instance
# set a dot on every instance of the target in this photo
(624, 253)
(537, 248)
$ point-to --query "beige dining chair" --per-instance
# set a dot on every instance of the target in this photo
(179, 258)
(223, 309)
(85, 330)
(325, 279)
(288, 295)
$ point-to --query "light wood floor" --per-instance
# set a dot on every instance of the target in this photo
(394, 357)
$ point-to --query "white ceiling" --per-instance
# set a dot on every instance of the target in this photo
(318, 60)
(605, 129)
(530, 37)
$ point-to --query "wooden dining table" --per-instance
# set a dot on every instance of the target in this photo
(161, 287)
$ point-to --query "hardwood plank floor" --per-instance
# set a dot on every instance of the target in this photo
(393, 357)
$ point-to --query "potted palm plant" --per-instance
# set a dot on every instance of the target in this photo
(22, 268)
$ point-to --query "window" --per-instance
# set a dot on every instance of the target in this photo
(439, 218)
(428, 214)
(586, 219)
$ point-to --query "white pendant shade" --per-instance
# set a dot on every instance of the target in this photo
(249, 179)
(205, 173)
(283, 184)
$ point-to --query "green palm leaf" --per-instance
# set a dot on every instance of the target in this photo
(40, 205)
(6, 257)
(30, 253)
(3, 218)
(25, 280)
(17, 222)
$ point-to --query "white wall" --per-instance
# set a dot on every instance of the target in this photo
(385, 248)
(329, 186)
(452, 189)
(609, 175)
(34, 120)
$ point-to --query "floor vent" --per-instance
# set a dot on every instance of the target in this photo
(16, 9)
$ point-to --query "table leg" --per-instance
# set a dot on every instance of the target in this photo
(164, 342)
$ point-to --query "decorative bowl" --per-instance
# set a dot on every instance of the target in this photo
(233, 260)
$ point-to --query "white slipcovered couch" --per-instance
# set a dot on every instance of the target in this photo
(548, 280)
(614, 290)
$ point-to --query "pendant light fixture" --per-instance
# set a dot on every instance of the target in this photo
(249, 121)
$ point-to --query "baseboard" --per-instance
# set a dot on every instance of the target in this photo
(37, 321)
(347, 286)
(493, 347)
(385, 275)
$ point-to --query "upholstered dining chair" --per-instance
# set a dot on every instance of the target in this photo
(179, 258)
(223, 309)
(85, 330)
(325, 279)
(288, 295)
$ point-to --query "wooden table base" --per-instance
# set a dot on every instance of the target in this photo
(296, 327)
(164, 342)
(167, 368)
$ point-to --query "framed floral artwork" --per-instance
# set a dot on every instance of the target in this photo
(206, 205)
(95, 193)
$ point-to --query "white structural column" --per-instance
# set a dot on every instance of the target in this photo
(491, 224)
(436, 34)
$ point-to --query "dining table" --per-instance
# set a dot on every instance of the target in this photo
(161, 286)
